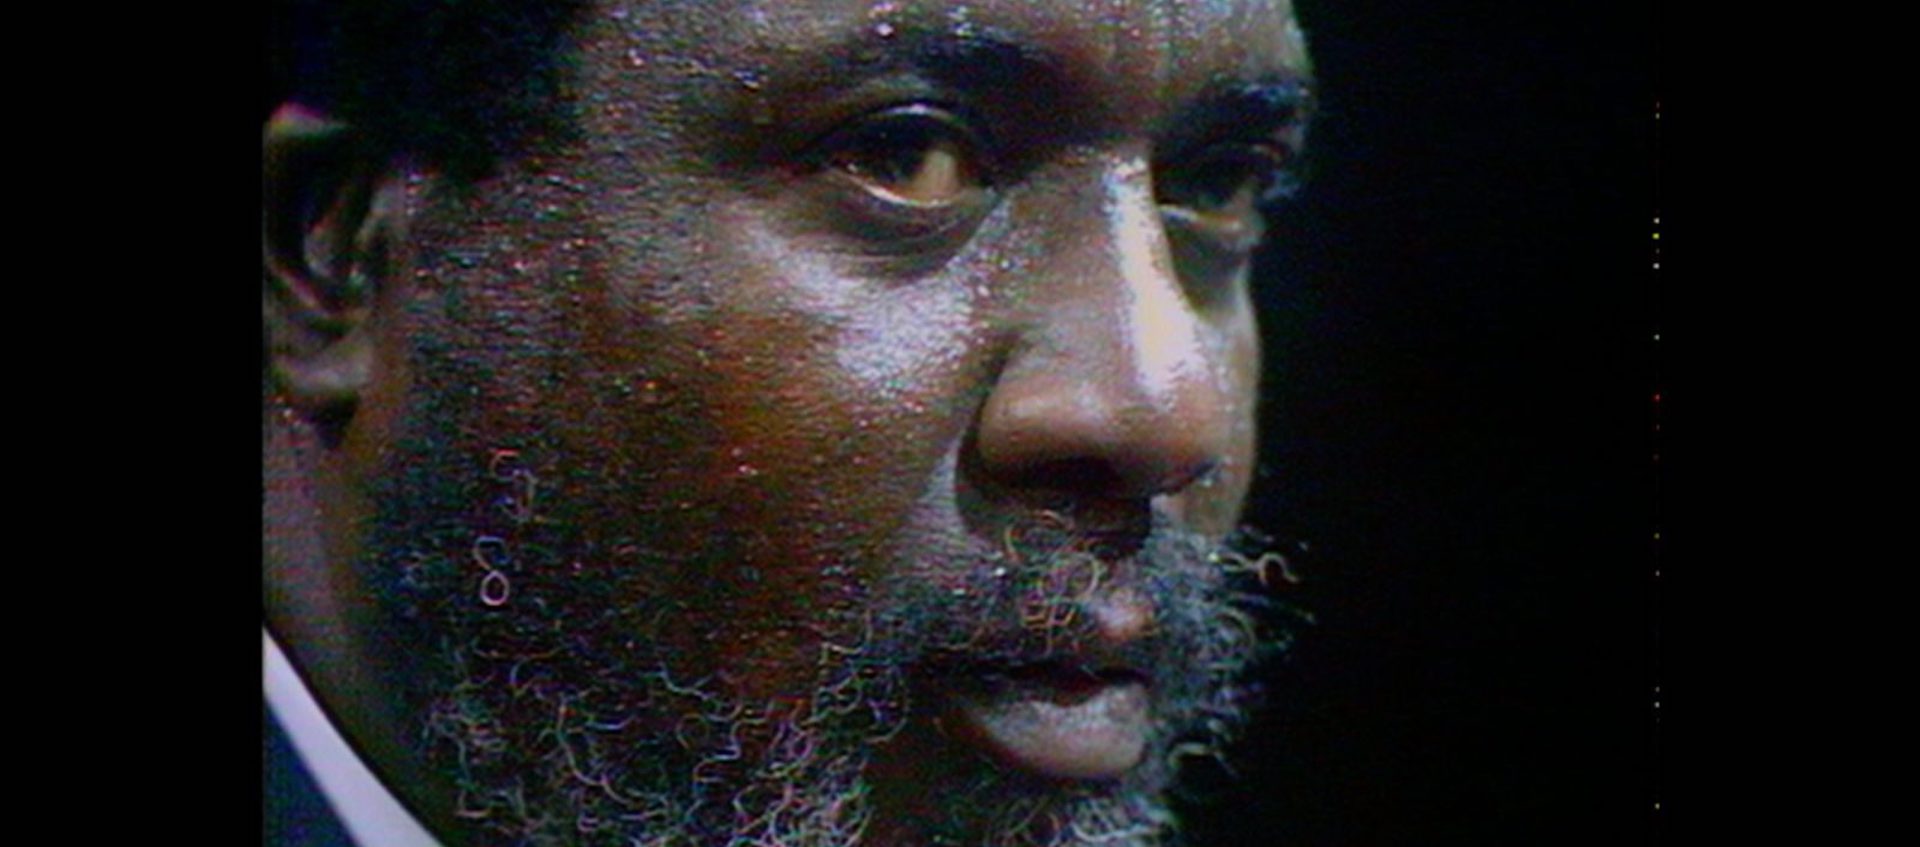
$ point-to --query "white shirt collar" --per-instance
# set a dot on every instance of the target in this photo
(370, 813)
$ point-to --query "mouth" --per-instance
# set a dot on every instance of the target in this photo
(1054, 719)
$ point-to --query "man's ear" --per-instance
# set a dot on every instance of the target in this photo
(331, 220)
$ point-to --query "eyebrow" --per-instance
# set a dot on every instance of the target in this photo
(977, 59)
(984, 57)
(1259, 108)
(988, 63)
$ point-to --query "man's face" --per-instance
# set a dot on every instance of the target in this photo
(834, 434)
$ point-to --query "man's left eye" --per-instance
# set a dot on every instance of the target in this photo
(918, 155)
(1218, 194)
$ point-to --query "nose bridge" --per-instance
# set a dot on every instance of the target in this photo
(1118, 384)
(1158, 333)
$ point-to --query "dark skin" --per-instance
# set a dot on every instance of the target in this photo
(813, 292)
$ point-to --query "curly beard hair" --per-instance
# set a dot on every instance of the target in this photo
(556, 702)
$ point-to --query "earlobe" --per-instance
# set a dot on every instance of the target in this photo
(329, 215)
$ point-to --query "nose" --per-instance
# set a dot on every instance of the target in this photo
(1117, 388)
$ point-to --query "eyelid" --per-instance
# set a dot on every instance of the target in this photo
(1269, 161)
(1281, 182)
(886, 208)
(1237, 236)
(1214, 200)
(949, 119)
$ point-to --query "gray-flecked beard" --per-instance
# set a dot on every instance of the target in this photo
(546, 694)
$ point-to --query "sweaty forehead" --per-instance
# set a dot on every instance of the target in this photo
(1136, 58)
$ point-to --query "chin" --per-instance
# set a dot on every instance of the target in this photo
(1018, 703)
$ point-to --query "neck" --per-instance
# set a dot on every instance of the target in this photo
(317, 612)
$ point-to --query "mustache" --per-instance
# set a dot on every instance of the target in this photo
(1033, 603)
(546, 720)
(1035, 597)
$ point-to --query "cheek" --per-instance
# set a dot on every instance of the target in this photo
(839, 414)
(810, 412)
(850, 388)
(1213, 506)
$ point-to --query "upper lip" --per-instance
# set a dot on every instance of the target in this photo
(1108, 638)
(1079, 657)
(1060, 681)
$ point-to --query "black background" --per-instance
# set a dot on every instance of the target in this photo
(1459, 316)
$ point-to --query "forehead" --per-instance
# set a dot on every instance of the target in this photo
(1135, 59)
(1158, 41)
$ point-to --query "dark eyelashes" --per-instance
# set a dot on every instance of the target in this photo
(927, 168)
(1216, 175)
(897, 128)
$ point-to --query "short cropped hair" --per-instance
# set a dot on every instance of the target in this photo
(462, 82)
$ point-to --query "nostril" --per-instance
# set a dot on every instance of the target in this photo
(1180, 479)
(1123, 476)
(1072, 474)
(1078, 422)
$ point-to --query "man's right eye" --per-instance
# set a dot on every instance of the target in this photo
(919, 155)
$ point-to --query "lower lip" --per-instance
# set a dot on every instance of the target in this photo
(1058, 726)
